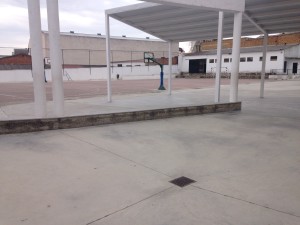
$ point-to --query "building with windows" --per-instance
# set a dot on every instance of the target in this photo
(281, 59)
(283, 55)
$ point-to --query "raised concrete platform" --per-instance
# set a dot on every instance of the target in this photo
(32, 125)
(19, 118)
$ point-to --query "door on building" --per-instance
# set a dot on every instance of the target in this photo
(295, 68)
(197, 66)
(285, 66)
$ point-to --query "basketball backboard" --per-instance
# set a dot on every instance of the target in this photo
(148, 56)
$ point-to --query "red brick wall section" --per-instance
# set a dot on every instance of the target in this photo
(21, 59)
(165, 61)
(281, 39)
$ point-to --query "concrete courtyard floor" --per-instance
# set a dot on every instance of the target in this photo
(246, 166)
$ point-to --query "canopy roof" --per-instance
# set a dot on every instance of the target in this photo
(178, 23)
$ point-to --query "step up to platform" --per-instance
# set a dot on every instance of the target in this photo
(33, 125)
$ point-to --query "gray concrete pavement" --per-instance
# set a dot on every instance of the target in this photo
(246, 164)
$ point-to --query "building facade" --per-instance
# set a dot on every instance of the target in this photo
(280, 59)
(89, 50)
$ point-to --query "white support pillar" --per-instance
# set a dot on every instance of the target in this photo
(263, 69)
(170, 69)
(39, 89)
(234, 79)
(180, 62)
(56, 57)
(108, 57)
(219, 57)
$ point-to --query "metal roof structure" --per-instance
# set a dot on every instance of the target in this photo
(173, 22)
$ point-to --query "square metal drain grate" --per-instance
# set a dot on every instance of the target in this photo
(182, 181)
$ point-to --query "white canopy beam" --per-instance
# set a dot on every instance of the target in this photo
(39, 88)
(234, 79)
(219, 57)
(170, 68)
(263, 70)
(56, 57)
(108, 57)
(254, 23)
(265, 46)
(225, 5)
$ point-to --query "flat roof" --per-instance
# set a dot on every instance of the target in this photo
(179, 23)
(104, 36)
(243, 50)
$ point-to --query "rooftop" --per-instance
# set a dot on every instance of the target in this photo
(104, 36)
(243, 50)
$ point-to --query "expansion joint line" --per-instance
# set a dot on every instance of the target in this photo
(115, 154)
(242, 200)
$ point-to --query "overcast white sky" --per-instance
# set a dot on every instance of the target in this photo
(81, 16)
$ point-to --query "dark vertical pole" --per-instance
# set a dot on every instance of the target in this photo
(90, 62)
(63, 61)
(131, 59)
(112, 61)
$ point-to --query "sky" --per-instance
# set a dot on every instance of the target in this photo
(81, 16)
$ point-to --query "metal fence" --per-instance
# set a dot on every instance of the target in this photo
(285, 72)
(88, 58)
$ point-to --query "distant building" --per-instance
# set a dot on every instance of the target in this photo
(247, 42)
(20, 61)
(23, 51)
(86, 50)
(284, 59)
(283, 56)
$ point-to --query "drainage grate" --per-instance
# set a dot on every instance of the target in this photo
(182, 181)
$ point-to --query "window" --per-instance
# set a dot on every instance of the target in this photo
(120, 65)
(260, 58)
(226, 60)
(243, 59)
(215, 60)
(273, 58)
(230, 59)
(211, 61)
(249, 59)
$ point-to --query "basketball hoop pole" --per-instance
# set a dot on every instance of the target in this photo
(161, 86)
(149, 56)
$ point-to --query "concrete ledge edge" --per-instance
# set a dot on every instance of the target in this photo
(34, 125)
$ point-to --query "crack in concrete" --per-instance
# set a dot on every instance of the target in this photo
(115, 154)
(133, 204)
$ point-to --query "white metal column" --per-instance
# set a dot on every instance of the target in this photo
(234, 79)
(219, 57)
(108, 59)
(170, 69)
(263, 69)
(265, 46)
(39, 89)
(56, 57)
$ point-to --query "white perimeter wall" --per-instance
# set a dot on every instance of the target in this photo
(81, 74)
(252, 67)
